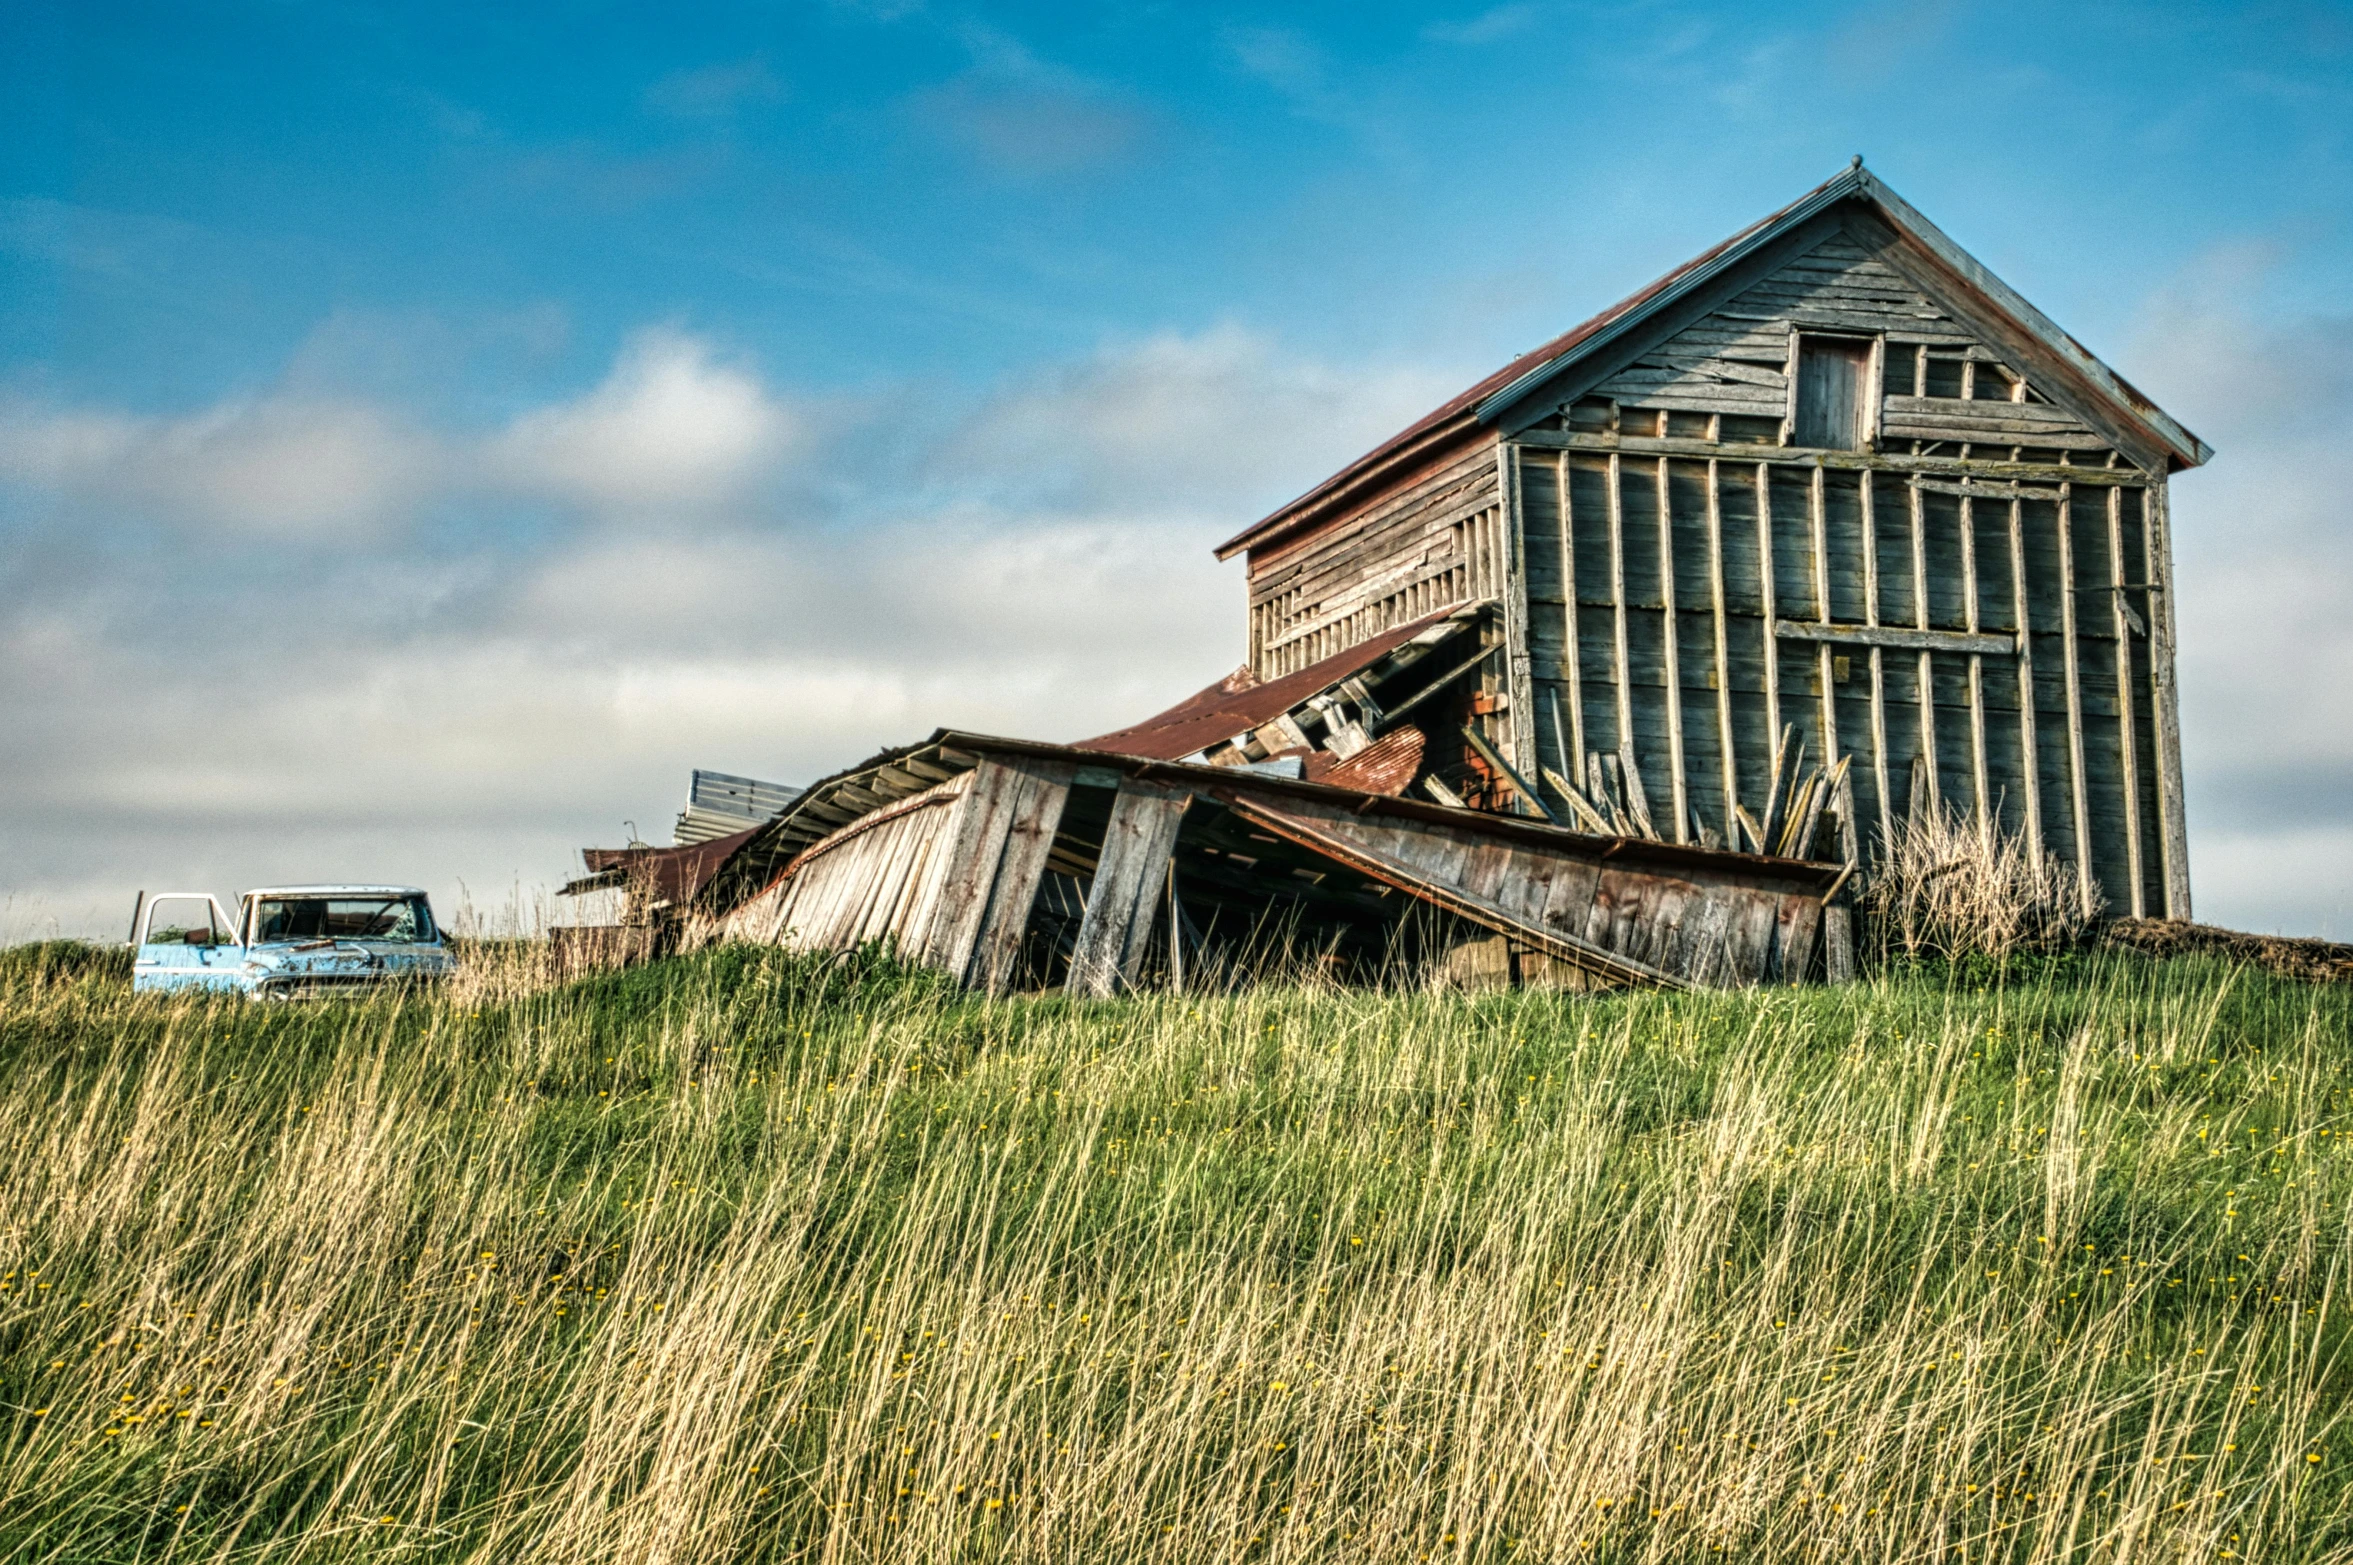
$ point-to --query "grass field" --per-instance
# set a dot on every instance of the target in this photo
(749, 1257)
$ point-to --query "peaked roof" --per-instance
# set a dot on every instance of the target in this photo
(1461, 422)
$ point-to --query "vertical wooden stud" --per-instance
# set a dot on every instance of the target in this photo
(2032, 764)
(1519, 731)
(1618, 667)
(2074, 673)
(1927, 665)
(1976, 668)
(2128, 735)
(1674, 664)
(1725, 745)
(1878, 662)
(1819, 516)
(1574, 761)
(2173, 836)
(1765, 588)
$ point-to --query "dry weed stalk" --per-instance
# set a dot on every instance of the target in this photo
(1944, 886)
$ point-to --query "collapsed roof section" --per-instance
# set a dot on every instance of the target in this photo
(1242, 720)
(1014, 864)
(1020, 864)
(656, 877)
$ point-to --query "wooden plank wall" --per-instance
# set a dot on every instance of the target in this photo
(1129, 884)
(995, 859)
(1639, 563)
(1435, 542)
(1664, 527)
(878, 878)
(949, 875)
(1700, 926)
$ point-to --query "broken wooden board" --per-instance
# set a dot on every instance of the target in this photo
(1130, 874)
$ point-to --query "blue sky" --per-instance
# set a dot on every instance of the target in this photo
(427, 432)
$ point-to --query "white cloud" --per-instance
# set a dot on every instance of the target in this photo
(443, 705)
(1223, 418)
(671, 430)
(273, 468)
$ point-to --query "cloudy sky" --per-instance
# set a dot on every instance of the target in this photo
(427, 432)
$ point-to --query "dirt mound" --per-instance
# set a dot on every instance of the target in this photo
(2318, 960)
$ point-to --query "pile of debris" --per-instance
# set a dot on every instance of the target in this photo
(1805, 807)
(2317, 961)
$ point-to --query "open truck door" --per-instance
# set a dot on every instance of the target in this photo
(184, 940)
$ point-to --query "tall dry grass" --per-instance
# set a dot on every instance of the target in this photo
(1942, 886)
(747, 1257)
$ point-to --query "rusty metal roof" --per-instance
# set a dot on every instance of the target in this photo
(674, 875)
(1458, 423)
(1231, 706)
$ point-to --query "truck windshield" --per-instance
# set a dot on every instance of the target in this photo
(343, 918)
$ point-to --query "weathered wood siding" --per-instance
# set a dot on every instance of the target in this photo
(877, 878)
(1674, 551)
(1715, 928)
(1434, 542)
(1727, 375)
(949, 875)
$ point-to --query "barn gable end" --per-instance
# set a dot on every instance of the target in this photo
(1941, 383)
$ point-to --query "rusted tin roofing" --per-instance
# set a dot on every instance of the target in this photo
(674, 875)
(1448, 430)
(1236, 704)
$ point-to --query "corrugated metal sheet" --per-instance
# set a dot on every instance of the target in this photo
(658, 876)
(719, 804)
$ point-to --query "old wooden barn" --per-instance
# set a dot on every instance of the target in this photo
(1611, 670)
(1832, 475)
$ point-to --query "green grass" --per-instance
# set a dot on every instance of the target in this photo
(756, 1257)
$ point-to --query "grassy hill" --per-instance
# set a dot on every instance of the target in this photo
(750, 1257)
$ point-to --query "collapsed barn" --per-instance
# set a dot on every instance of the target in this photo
(1612, 670)
(1013, 864)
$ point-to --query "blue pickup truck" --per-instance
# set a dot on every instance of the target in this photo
(287, 941)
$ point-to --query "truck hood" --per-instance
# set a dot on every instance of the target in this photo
(352, 958)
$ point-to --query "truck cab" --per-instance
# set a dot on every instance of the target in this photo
(287, 941)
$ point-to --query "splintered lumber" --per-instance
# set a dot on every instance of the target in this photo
(1637, 797)
(1785, 762)
(1749, 828)
(1588, 814)
(1559, 945)
(1130, 874)
(1519, 785)
(1004, 830)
